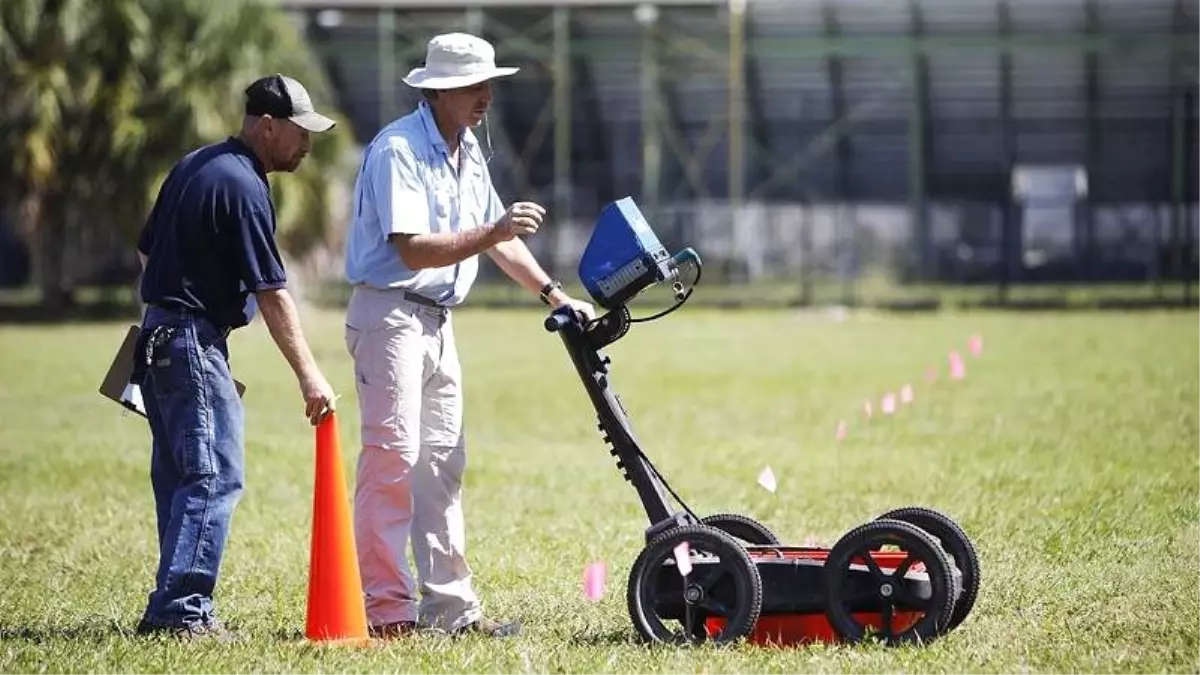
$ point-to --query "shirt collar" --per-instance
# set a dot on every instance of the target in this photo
(240, 146)
(434, 136)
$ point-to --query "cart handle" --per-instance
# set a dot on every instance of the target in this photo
(558, 319)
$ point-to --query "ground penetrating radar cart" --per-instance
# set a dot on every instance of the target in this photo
(909, 575)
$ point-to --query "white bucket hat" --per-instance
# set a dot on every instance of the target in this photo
(456, 60)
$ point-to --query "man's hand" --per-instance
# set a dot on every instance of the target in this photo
(521, 219)
(319, 400)
(582, 309)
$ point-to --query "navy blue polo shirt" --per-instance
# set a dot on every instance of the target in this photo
(210, 238)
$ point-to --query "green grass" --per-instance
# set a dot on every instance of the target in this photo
(1069, 454)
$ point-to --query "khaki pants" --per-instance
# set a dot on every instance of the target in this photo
(410, 469)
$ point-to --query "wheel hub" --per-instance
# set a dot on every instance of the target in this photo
(886, 590)
(693, 594)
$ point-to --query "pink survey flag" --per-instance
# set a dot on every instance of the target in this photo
(683, 558)
(593, 581)
(958, 369)
(975, 344)
(906, 394)
(840, 434)
(888, 404)
(766, 478)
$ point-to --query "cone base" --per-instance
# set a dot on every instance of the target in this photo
(356, 642)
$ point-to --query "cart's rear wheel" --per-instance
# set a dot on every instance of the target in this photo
(957, 544)
(723, 582)
(742, 527)
(857, 585)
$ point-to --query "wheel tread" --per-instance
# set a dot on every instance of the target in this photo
(739, 525)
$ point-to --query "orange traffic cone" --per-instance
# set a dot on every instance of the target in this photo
(336, 612)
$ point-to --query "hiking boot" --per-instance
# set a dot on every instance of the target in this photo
(489, 628)
(395, 629)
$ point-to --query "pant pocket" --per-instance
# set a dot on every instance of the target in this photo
(173, 369)
(194, 454)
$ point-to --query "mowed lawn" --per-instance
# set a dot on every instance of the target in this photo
(1068, 453)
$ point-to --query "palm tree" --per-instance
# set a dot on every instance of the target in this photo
(99, 98)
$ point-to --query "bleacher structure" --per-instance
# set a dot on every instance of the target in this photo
(1005, 141)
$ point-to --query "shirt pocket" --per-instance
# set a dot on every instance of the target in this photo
(476, 196)
(442, 208)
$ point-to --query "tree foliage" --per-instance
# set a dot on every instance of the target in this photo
(98, 98)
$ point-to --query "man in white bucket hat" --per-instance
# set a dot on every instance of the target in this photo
(424, 209)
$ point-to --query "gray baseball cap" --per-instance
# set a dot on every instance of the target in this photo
(283, 97)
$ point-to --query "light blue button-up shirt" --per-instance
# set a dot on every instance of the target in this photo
(407, 185)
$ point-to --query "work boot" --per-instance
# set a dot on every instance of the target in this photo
(396, 629)
(213, 630)
(490, 628)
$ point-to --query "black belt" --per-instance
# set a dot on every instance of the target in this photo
(183, 311)
(422, 300)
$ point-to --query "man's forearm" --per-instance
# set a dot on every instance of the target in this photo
(514, 258)
(279, 313)
(419, 251)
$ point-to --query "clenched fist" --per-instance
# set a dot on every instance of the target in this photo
(521, 219)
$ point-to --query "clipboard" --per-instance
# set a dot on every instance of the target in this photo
(117, 386)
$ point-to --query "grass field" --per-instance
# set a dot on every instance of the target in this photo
(1069, 454)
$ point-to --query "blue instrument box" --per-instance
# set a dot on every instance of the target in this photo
(623, 255)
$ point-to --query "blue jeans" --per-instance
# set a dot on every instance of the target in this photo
(197, 464)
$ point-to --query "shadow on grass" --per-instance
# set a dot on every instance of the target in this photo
(288, 635)
(100, 630)
(84, 631)
(610, 638)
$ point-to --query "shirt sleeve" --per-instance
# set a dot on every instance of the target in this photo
(401, 203)
(260, 263)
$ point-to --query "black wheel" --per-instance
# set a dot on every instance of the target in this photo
(957, 544)
(855, 583)
(723, 582)
(742, 527)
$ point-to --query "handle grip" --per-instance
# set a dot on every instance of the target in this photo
(558, 320)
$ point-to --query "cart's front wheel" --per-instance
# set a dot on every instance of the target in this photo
(742, 527)
(723, 582)
(910, 588)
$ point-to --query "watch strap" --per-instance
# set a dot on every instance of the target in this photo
(548, 289)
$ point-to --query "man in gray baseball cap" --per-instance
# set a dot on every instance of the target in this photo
(210, 264)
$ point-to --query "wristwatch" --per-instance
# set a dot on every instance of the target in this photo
(548, 289)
